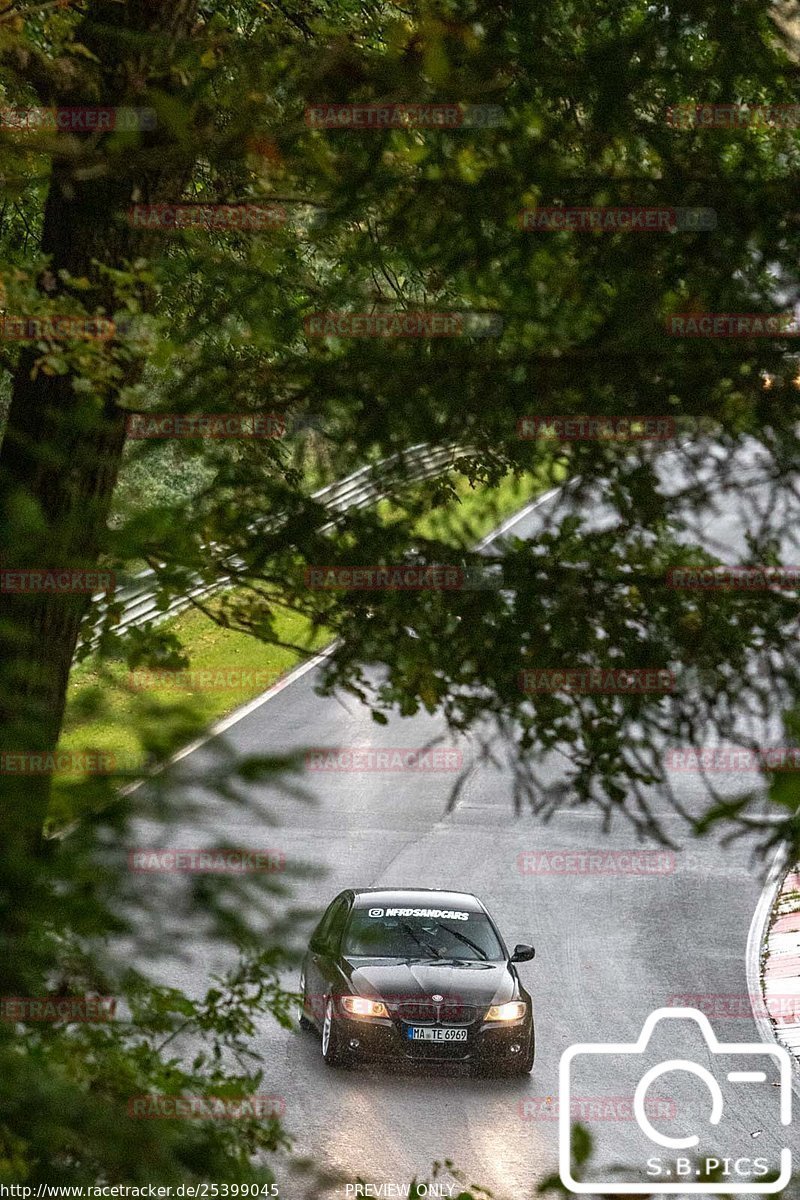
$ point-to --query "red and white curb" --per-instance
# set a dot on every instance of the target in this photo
(780, 967)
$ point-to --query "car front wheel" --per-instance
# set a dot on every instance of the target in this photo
(303, 1019)
(332, 1050)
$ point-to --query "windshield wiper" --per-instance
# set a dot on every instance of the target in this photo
(462, 937)
(432, 951)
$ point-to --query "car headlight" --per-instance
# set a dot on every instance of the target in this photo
(513, 1011)
(360, 1006)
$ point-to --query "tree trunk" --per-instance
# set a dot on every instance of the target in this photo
(62, 448)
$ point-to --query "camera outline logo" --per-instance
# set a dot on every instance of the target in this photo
(649, 1185)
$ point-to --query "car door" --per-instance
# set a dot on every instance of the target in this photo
(320, 969)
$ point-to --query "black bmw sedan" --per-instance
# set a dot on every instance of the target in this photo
(416, 974)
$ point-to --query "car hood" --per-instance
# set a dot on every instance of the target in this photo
(469, 983)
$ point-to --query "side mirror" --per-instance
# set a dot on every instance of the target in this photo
(316, 945)
(523, 953)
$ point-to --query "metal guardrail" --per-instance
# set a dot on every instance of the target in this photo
(139, 597)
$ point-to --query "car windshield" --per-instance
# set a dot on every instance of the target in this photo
(421, 933)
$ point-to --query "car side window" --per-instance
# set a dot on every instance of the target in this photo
(326, 935)
(338, 923)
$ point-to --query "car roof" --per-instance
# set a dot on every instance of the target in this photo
(415, 898)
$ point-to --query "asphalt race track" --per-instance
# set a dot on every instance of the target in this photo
(610, 949)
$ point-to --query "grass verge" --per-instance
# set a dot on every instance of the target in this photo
(136, 718)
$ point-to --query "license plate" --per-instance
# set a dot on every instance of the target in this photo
(425, 1033)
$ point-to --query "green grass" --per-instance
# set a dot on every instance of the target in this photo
(108, 710)
(480, 509)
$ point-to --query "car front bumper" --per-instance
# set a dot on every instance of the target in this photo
(487, 1042)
